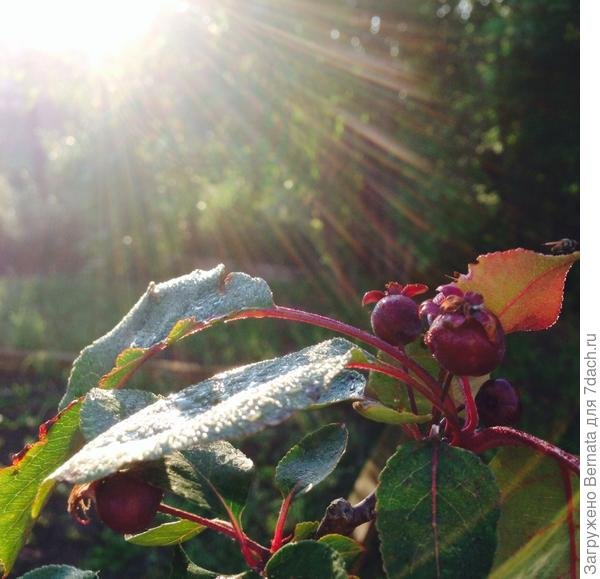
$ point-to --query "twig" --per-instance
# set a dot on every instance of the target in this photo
(496, 436)
(342, 518)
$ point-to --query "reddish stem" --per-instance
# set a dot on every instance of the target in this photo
(293, 315)
(217, 525)
(394, 372)
(283, 513)
(254, 561)
(472, 416)
(566, 475)
(412, 431)
(496, 436)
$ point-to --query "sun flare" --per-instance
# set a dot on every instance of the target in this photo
(95, 28)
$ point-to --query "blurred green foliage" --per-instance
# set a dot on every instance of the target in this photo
(327, 146)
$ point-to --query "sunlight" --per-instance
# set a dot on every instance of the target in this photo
(96, 28)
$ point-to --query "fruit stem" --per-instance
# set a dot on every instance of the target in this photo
(217, 525)
(413, 407)
(394, 372)
(254, 561)
(446, 378)
(214, 524)
(283, 513)
(446, 384)
(496, 436)
(397, 373)
(293, 315)
(472, 416)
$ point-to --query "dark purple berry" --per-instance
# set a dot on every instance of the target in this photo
(498, 403)
(464, 337)
(395, 319)
(126, 504)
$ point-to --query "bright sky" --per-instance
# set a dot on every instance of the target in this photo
(93, 27)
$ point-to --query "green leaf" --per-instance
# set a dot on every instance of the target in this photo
(534, 537)
(349, 549)
(104, 408)
(166, 534)
(522, 287)
(183, 568)
(305, 530)
(20, 502)
(306, 560)
(372, 410)
(393, 393)
(437, 509)
(205, 475)
(228, 406)
(160, 317)
(311, 460)
(59, 572)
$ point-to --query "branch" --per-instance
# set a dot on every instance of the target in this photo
(293, 315)
(342, 518)
(217, 525)
(496, 436)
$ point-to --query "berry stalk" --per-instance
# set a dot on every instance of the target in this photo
(404, 377)
(217, 525)
(472, 416)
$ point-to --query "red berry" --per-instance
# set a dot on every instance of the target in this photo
(464, 337)
(498, 403)
(126, 504)
(395, 319)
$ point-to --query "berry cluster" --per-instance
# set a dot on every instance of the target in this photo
(463, 336)
(461, 333)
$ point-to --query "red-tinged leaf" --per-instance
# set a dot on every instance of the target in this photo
(522, 287)
(127, 362)
(181, 329)
(20, 496)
